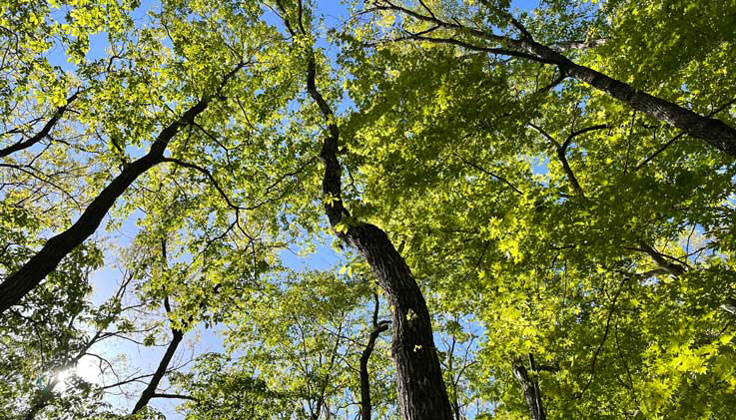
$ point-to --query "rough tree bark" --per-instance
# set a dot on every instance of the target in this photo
(421, 388)
(40, 265)
(422, 393)
(729, 306)
(713, 131)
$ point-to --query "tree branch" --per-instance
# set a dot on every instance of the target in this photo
(24, 144)
(603, 340)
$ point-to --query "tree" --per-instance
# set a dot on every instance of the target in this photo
(713, 131)
(422, 392)
(453, 127)
(194, 94)
(540, 200)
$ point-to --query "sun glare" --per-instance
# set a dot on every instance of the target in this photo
(62, 378)
(87, 369)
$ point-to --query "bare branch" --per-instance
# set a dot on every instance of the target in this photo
(489, 173)
(209, 175)
(611, 311)
(24, 144)
(175, 396)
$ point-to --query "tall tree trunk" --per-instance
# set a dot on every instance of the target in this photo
(163, 366)
(715, 132)
(422, 393)
(421, 389)
(532, 395)
(177, 336)
(40, 265)
(365, 382)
